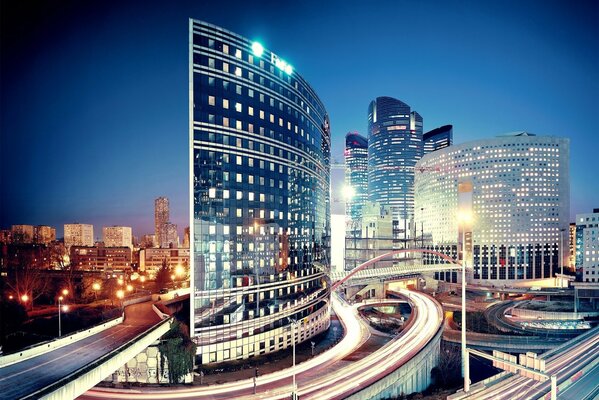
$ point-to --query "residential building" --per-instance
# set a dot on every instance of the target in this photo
(161, 218)
(101, 258)
(261, 177)
(170, 236)
(438, 138)
(44, 234)
(516, 187)
(78, 235)
(148, 241)
(118, 236)
(151, 259)
(587, 246)
(22, 233)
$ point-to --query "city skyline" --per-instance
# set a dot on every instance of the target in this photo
(107, 82)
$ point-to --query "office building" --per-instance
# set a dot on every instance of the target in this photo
(587, 246)
(572, 242)
(356, 177)
(438, 138)
(117, 236)
(260, 172)
(374, 238)
(516, 187)
(78, 235)
(394, 147)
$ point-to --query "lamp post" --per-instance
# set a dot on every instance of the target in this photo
(561, 256)
(464, 218)
(96, 287)
(59, 322)
(293, 331)
(256, 266)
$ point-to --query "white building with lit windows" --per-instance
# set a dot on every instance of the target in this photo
(518, 195)
(587, 245)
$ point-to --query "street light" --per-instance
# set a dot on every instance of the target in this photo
(96, 286)
(465, 218)
(59, 323)
(293, 330)
(65, 292)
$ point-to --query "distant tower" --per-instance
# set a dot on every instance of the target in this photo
(438, 138)
(356, 174)
(394, 148)
(161, 218)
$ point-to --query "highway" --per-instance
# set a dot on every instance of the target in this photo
(327, 376)
(25, 378)
(565, 363)
(586, 388)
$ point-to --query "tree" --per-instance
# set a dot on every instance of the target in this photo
(163, 276)
(24, 278)
(178, 350)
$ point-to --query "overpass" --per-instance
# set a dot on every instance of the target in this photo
(72, 366)
(574, 363)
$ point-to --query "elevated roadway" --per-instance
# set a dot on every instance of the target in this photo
(570, 362)
(328, 376)
(43, 375)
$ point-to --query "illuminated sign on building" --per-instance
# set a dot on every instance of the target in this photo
(281, 64)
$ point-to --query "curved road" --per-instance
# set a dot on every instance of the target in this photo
(26, 377)
(326, 376)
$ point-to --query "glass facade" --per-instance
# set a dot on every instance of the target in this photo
(520, 203)
(438, 138)
(356, 176)
(394, 147)
(261, 220)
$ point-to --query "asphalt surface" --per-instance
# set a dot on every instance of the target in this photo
(25, 378)
(586, 388)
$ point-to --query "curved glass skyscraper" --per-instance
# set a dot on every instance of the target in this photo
(394, 147)
(260, 170)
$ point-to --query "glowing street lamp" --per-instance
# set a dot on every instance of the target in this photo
(179, 270)
(129, 288)
(25, 298)
(348, 192)
(65, 292)
(464, 219)
(60, 298)
(96, 286)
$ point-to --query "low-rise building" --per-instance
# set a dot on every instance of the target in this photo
(151, 259)
(101, 258)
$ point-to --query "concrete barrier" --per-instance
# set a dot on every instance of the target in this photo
(135, 300)
(519, 311)
(56, 344)
(160, 314)
(170, 295)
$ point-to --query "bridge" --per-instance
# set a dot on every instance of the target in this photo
(575, 363)
(69, 366)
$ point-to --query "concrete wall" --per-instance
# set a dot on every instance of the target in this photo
(554, 315)
(413, 376)
(56, 344)
(144, 368)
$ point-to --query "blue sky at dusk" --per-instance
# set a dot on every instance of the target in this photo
(94, 94)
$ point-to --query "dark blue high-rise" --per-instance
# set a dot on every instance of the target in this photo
(394, 147)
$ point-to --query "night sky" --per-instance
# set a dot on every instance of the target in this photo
(94, 94)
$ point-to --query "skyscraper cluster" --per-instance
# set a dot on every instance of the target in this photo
(380, 177)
